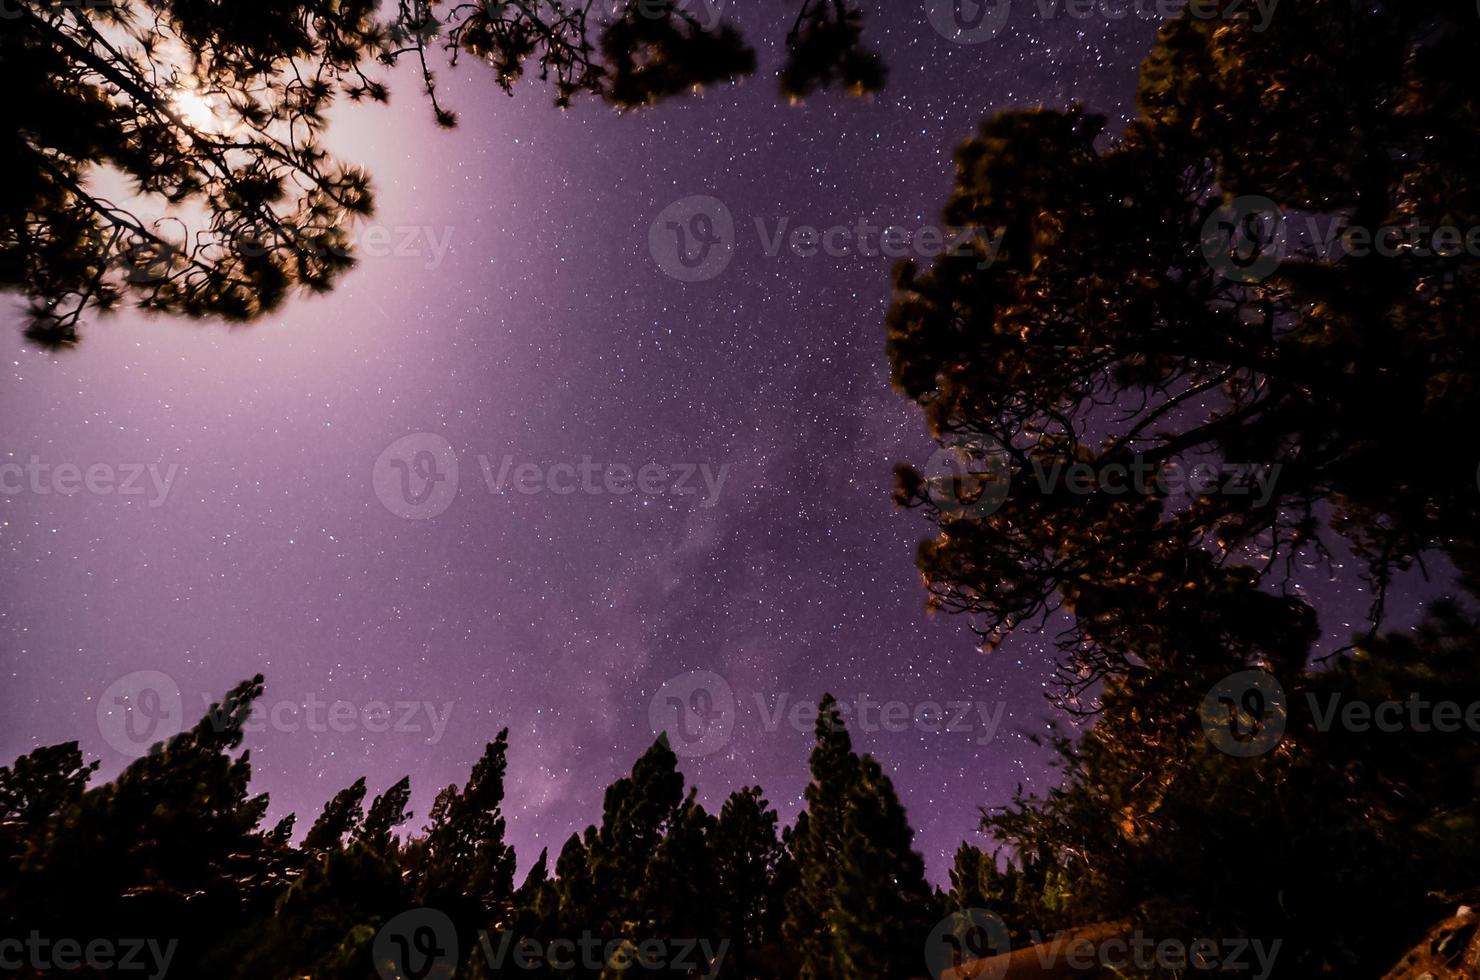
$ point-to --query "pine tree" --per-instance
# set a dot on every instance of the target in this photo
(746, 852)
(386, 814)
(205, 113)
(341, 818)
(462, 865)
(42, 782)
(173, 839)
(1113, 326)
(861, 906)
(322, 925)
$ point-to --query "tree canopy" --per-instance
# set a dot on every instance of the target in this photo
(1109, 332)
(214, 117)
(1271, 273)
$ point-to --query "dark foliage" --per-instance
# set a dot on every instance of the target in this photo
(1114, 316)
(212, 117)
(1103, 333)
(173, 849)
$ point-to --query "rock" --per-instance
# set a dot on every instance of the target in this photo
(1450, 952)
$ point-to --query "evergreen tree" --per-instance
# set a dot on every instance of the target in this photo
(386, 814)
(1346, 843)
(574, 885)
(1111, 326)
(1029, 894)
(462, 866)
(341, 817)
(282, 832)
(861, 906)
(746, 852)
(824, 48)
(41, 783)
(322, 926)
(169, 849)
(537, 879)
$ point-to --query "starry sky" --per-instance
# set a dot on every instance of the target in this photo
(543, 330)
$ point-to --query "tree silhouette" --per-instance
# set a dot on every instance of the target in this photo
(386, 814)
(462, 865)
(170, 846)
(861, 903)
(1346, 844)
(40, 784)
(1113, 328)
(1346, 840)
(198, 108)
(824, 48)
(1187, 293)
(746, 854)
(629, 858)
(213, 116)
(341, 817)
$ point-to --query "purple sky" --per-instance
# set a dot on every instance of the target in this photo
(546, 333)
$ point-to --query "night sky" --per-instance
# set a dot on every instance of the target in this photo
(546, 333)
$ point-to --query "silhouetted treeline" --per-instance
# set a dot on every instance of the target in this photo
(175, 849)
(1340, 843)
